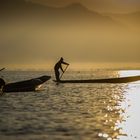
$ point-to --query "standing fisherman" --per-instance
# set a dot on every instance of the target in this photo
(58, 66)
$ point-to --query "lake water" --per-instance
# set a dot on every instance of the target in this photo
(71, 111)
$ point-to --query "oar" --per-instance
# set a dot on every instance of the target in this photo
(64, 71)
(2, 69)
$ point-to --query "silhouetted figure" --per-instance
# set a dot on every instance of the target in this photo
(2, 84)
(58, 66)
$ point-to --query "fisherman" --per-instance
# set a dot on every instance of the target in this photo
(2, 84)
(58, 66)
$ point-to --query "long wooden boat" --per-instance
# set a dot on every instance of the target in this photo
(27, 85)
(108, 80)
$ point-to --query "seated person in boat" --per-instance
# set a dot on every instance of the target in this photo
(58, 66)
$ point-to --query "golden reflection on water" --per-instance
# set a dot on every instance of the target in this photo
(132, 113)
(114, 112)
(105, 114)
(119, 119)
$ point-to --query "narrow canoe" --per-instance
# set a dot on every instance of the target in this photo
(27, 85)
(109, 80)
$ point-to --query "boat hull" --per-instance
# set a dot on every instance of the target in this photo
(109, 80)
(25, 86)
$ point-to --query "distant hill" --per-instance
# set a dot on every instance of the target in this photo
(130, 19)
(72, 14)
(18, 7)
(79, 11)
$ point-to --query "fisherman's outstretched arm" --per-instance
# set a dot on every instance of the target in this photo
(65, 63)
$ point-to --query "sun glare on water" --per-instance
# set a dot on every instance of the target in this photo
(125, 73)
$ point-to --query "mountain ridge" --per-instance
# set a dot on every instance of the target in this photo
(17, 4)
(73, 13)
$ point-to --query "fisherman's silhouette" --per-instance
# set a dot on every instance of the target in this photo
(2, 84)
(58, 66)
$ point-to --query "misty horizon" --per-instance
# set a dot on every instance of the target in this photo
(33, 35)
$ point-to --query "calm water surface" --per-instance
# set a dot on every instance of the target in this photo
(71, 111)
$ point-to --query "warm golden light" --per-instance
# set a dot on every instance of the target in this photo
(77, 32)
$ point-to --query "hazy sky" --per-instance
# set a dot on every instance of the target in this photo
(99, 5)
(40, 47)
(36, 43)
